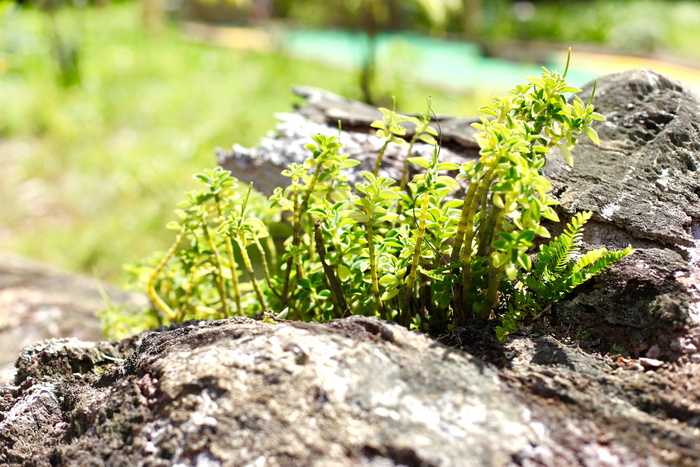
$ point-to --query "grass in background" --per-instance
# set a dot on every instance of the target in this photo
(91, 173)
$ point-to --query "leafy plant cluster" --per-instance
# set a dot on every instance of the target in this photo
(411, 251)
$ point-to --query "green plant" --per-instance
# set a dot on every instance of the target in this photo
(76, 161)
(411, 254)
(557, 271)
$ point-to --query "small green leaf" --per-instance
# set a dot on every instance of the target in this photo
(539, 82)
(343, 273)
(379, 124)
(569, 88)
(428, 139)
(592, 134)
(447, 181)
(568, 157)
(420, 161)
(347, 163)
(389, 280)
(447, 166)
(389, 194)
(389, 294)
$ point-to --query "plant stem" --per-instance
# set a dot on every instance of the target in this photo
(381, 156)
(234, 276)
(188, 293)
(295, 227)
(462, 248)
(231, 262)
(273, 252)
(220, 270)
(411, 279)
(495, 274)
(266, 269)
(335, 285)
(251, 273)
(492, 225)
(373, 270)
(464, 217)
(404, 172)
(299, 209)
(157, 301)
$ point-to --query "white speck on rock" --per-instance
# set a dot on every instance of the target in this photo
(663, 178)
(608, 210)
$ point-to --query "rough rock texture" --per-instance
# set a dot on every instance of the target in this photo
(38, 302)
(364, 392)
(643, 185)
(354, 392)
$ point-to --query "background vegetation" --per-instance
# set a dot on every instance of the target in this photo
(90, 171)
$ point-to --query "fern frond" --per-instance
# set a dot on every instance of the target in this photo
(596, 261)
(554, 257)
(588, 259)
(556, 273)
(510, 322)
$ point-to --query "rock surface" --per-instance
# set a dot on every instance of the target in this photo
(643, 185)
(612, 380)
(38, 302)
(323, 111)
(357, 391)
(353, 392)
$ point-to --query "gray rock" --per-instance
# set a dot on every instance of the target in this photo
(357, 391)
(241, 392)
(643, 185)
(643, 178)
(38, 302)
(322, 112)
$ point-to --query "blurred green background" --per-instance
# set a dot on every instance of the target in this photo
(107, 109)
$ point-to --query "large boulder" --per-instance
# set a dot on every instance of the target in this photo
(643, 185)
(357, 391)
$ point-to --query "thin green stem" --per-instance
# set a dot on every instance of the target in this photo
(463, 221)
(333, 281)
(381, 156)
(373, 269)
(251, 273)
(188, 293)
(234, 276)
(266, 269)
(221, 287)
(155, 298)
(495, 273)
(295, 227)
(404, 172)
(231, 261)
(299, 209)
(411, 279)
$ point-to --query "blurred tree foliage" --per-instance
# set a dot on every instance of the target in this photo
(628, 25)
